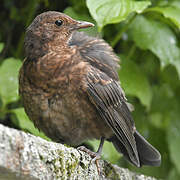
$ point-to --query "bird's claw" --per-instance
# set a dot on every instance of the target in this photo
(95, 156)
(86, 150)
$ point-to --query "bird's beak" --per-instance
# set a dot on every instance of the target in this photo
(83, 24)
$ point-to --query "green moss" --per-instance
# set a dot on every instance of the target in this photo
(41, 157)
(110, 172)
(65, 167)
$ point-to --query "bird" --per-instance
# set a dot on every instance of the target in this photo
(70, 89)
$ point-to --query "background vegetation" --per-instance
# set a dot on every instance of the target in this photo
(145, 34)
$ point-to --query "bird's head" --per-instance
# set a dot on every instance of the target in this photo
(50, 30)
(55, 25)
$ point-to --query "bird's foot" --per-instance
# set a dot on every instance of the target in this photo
(95, 156)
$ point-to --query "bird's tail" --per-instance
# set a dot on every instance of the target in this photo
(148, 155)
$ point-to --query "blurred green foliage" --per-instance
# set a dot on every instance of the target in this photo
(146, 37)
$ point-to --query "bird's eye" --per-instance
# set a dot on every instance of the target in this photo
(58, 22)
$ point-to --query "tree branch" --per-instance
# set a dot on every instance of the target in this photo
(30, 157)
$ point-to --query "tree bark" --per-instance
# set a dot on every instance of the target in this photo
(24, 156)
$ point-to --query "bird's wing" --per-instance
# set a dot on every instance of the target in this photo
(96, 52)
(104, 90)
(108, 98)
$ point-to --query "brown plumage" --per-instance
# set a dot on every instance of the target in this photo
(71, 90)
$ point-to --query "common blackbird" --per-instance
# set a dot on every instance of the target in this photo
(71, 90)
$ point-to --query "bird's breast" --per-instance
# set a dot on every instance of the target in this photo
(57, 102)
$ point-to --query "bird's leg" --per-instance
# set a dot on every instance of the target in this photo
(99, 151)
(98, 154)
(95, 155)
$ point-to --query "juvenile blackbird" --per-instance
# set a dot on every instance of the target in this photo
(71, 90)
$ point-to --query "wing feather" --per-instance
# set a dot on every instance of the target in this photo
(97, 52)
(107, 97)
(111, 105)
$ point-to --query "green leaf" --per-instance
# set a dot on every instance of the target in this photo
(156, 119)
(71, 12)
(173, 137)
(173, 13)
(9, 70)
(84, 17)
(113, 11)
(135, 82)
(170, 76)
(175, 3)
(157, 37)
(1, 47)
(163, 98)
(23, 122)
(173, 174)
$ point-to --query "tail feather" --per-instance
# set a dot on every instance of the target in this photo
(148, 155)
(121, 149)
